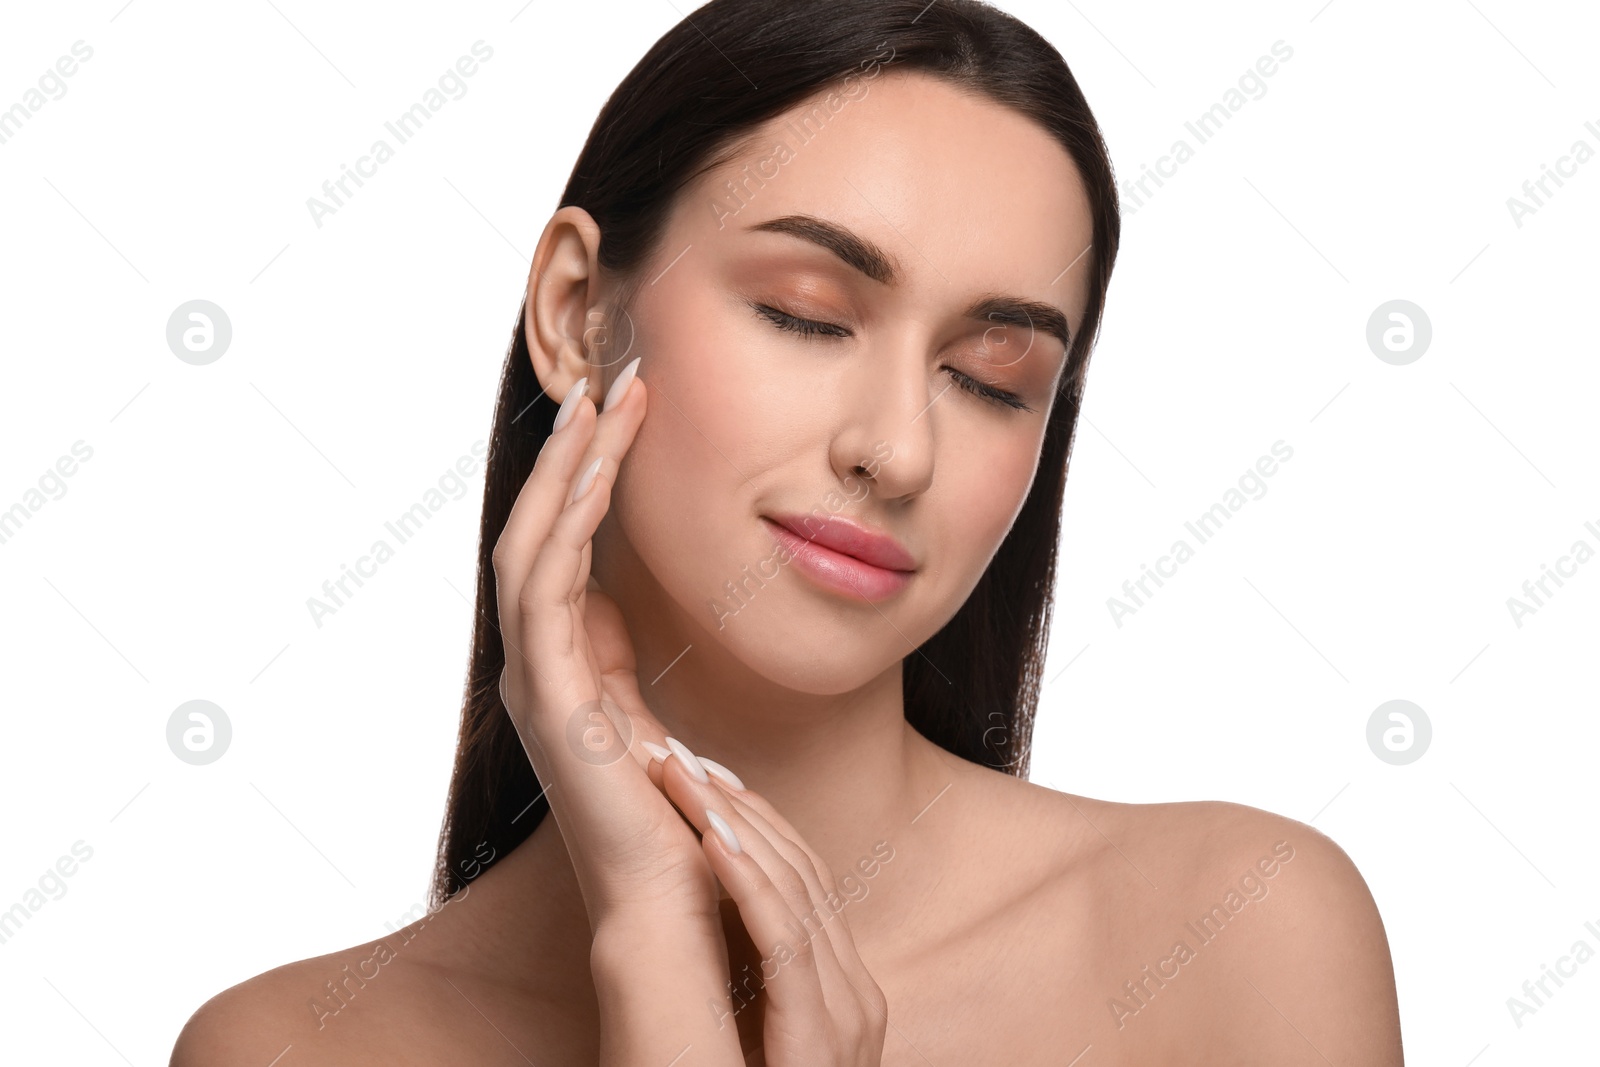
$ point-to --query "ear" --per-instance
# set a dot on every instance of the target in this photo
(564, 294)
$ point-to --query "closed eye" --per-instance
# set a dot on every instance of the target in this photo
(809, 328)
(988, 392)
(805, 327)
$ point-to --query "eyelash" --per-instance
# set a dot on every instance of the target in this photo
(810, 330)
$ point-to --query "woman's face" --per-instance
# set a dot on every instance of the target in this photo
(915, 410)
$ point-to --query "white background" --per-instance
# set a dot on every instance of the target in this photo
(364, 361)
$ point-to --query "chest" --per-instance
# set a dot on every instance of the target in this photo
(1032, 987)
(1010, 990)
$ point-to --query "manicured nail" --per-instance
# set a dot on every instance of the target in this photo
(620, 386)
(690, 763)
(721, 772)
(724, 831)
(569, 404)
(586, 479)
(657, 752)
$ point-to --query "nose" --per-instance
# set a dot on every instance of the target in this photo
(885, 428)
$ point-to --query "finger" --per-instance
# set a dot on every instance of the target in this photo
(548, 661)
(615, 431)
(786, 866)
(822, 909)
(775, 820)
(856, 1011)
(654, 755)
(525, 530)
(776, 823)
(761, 814)
(539, 501)
(547, 606)
(853, 999)
(795, 986)
(602, 799)
(819, 880)
(616, 424)
(550, 582)
(547, 490)
(821, 884)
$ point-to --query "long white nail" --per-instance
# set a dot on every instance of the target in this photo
(690, 763)
(569, 404)
(724, 831)
(721, 772)
(586, 479)
(620, 386)
(657, 752)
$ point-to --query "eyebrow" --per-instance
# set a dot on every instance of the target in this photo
(872, 261)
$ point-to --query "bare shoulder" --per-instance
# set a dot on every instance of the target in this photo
(1222, 849)
(1206, 840)
(1280, 930)
(336, 1008)
(256, 1020)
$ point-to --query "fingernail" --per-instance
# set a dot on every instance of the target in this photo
(721, 772)
(724, 831)
(620, 386)
(585, 480)
(657, 752)
(569, 404)
(690, 763)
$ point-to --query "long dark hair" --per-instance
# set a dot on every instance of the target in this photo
(731, 65)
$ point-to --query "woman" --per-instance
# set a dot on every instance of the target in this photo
(775, 485)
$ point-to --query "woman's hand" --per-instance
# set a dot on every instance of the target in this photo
(569, 682)
(818, 1003)
(649, 885)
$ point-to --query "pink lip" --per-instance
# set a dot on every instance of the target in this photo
(844, 555)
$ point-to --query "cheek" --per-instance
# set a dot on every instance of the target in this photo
(715, 423)
(674, 487)
(989, 478)
(732, 401)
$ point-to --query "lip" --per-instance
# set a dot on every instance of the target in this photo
(850, 538)
(844, 556)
